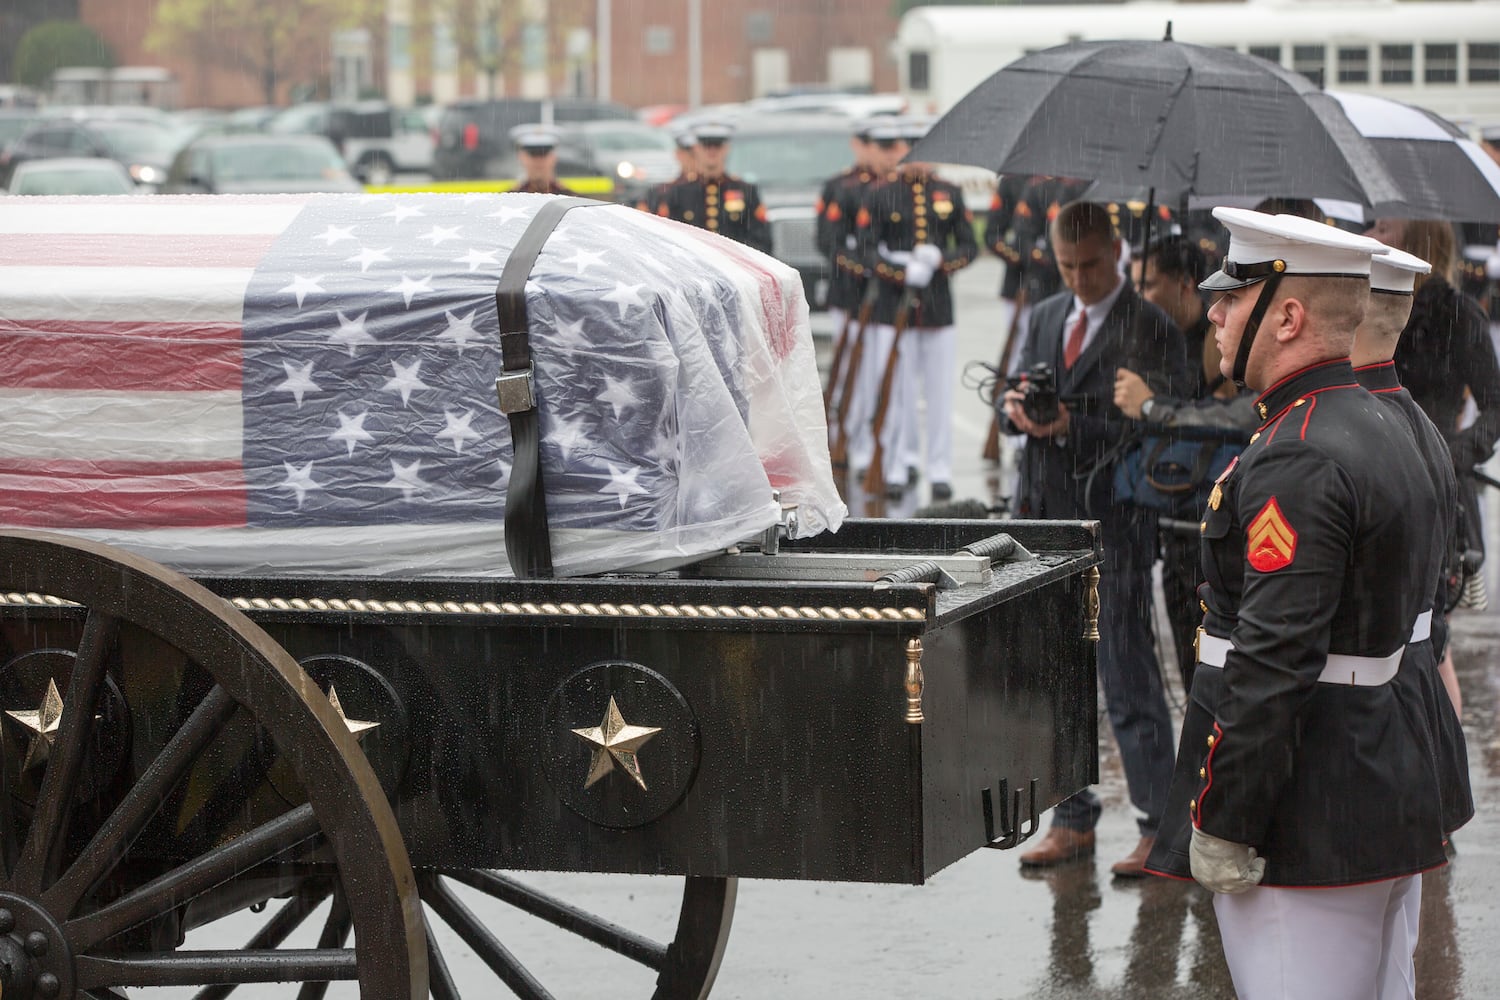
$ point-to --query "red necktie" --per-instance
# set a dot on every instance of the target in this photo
(1074, 346)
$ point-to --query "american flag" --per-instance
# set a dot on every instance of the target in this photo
(305, 384)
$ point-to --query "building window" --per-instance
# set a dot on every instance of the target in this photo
(916, 71)
(1270, 52)
(759, 27)
(1395, 64)
(1354, 65)
(1484, 62)
(658, 40)
(1440, 63)
(1308, 60)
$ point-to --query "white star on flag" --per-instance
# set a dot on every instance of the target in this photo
(404, 477)
(334, 234)
(300, 286)
(618, 395)
(622, 483)
(351, 430)
(405, 381)
(409, 288)
(570, 335)
(476, 257)
(298, 380)
(625, 296)
(440, 234)
(569, 436)
(351, 332)
(401, 212)
(505, 213)
(584, 259)
(366, 257)
(458, 430)
(300, 480)
(460, 330)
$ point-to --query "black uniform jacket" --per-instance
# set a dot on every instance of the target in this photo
(999, 234)
(910, 208)
(838, 207)
(1056, 479)
(551, 187)
(1322, 539)
(1452, 763)
(725, 205)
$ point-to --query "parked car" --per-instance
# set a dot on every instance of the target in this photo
(376, 140)
(142, 146)
(259, 164)
(70, 175)
(474, 136)
(14, 121)
(633, 155)
(789, 157)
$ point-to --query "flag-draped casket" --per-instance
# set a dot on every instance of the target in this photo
(306, 384)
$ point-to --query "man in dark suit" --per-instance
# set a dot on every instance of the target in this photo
(1099, 325)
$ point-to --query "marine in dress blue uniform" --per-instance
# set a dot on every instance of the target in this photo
(1303, 763)
(716, 200)
(536, 148)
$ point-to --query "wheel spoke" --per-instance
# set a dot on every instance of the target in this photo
(439, 979)
(200, 968)
(570, 918)
(335, 933)
(183, 883)
(44, 838)
(119, 831)
(494, 954)
(276, 930)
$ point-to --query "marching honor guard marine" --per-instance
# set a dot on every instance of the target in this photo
(536, 149)
(715, 200)
(913, 233)
(685, 147)
(1304, 763)
(838, 206)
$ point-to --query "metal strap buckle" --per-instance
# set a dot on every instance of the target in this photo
(516, 391)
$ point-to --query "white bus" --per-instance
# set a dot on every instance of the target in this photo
(1442, 55)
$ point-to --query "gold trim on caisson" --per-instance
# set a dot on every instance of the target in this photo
(1091, 604)
(914, 681)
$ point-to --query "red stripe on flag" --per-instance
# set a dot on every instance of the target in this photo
(56, 493)
(781, 328)
(62, 354)
(96, 250)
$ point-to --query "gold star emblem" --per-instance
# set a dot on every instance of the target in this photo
(356, 727)
(43, 723)
(617, 744)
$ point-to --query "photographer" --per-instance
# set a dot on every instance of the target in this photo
(1099, 325)
(1174, 267)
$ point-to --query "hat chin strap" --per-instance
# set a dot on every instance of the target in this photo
(1247, 338)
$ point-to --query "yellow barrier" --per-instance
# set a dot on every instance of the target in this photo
(596, 186)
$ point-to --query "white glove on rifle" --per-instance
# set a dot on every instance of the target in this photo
(897, 257)
(1224, 866)
(918, 274)
(928, 253)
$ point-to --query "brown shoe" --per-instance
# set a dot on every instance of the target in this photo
(1133, 865)
(1058, 846)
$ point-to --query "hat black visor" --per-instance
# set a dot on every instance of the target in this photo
(537, 150)
(712, 141)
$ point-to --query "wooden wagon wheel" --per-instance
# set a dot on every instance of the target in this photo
(105, 860)
(685, 966)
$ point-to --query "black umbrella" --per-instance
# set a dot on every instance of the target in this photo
(1162, 116)
(1441, 172)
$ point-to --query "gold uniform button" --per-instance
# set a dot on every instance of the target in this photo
(1202, 527)
(916, 188)
(1255, 437)
(1211, 741)
(895, 216)
(921, 235)
(1204, 606)
(1261, 409)
(687, 216)
(712, 211)
(1203, 772)
(1299, 402)
(1192, 805)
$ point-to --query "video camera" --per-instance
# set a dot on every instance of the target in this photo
(1039, 384)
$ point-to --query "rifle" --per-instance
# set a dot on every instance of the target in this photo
(841, 347)
(839, 452)
(874, 484)
(991, 451)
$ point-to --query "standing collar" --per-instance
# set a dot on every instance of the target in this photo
(1323, 375)
(1379, 376)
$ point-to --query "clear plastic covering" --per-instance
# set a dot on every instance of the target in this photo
(306, 385)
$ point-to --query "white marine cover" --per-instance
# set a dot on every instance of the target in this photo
(305, 385)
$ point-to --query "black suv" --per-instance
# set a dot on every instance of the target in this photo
(474, 136)
(143, 146)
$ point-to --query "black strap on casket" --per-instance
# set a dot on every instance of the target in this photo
(528, 545)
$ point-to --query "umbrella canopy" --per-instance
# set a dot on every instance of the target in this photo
(1166, 116)
(1441, 172)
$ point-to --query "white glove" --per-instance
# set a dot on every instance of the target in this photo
(1222, 866)
(897, 257)
(918, 274)
(1492, 265)
(929, 254)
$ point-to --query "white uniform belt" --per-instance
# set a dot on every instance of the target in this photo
(1341, 668)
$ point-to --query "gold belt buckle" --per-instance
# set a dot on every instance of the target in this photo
(1197, 640)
